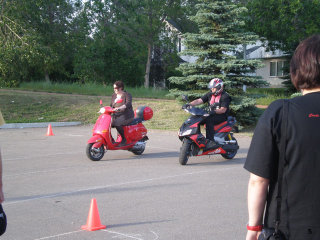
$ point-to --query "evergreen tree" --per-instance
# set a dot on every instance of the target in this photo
(219, 50)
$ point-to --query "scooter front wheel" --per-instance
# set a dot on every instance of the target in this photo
(95, 154)
(185, 151)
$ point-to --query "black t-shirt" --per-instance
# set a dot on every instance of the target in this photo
(301, 193)
(225, 100)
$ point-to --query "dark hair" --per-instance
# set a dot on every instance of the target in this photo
(119, 84)
(305, 64)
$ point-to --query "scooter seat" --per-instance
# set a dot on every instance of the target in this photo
(135, 121)
(220, 125)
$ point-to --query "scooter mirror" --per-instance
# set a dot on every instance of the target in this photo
(184, 97)
(100, 102)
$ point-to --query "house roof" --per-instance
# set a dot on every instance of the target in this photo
(250, 50)
(174, 24)
(258, 51)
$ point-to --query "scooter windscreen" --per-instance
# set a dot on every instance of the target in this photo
(196, 111)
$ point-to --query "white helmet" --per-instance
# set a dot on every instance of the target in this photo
(217, 84)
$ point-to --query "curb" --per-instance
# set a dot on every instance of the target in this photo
(38, 125)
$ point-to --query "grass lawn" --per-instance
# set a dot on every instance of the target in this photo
(265, 96)
(56, 105)
(26, 107)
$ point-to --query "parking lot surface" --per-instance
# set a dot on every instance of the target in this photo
(49, 183)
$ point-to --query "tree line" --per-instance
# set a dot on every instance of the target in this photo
(106, 40)
(97, 41)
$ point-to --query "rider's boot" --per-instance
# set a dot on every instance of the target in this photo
(123, 142)
(210, 145)
(123, 139)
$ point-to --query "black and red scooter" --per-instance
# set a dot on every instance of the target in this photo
(195, 144)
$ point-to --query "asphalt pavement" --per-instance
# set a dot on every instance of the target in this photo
(49, 183)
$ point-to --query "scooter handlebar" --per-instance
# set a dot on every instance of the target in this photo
(102, 110)
(186, 106)
(106, 110)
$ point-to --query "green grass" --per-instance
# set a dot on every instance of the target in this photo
(264, 96)
(54, 103)
(92, 89)
(26, 107)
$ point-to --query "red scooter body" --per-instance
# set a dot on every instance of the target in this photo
(102, 140)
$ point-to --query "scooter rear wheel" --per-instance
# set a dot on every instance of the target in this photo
(138, 152)
(94, 154)
(185, 151)
(231, 154)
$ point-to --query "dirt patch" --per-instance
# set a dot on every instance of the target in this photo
(262, 106)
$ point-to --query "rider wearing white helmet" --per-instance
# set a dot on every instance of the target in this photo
(218, 101)
(216, 84)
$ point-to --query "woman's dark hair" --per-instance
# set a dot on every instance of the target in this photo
(305, 64)
(119, 84)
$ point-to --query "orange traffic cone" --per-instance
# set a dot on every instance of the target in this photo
(49, 132)
(93, 221)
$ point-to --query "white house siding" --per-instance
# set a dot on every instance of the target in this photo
(264, 72)
(255, 51)
(266, 58)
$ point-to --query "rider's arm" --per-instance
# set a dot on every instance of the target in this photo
(221, 110)
(127, 103)
(121, 107)
(1, 191)
(257, 194)
(196, 102)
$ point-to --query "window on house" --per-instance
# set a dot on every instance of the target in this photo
(179, 44)
(277, 68)
(273, 66)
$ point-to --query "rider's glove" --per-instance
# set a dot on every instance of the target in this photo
(212, 111)
(102, 110)
(186, 106)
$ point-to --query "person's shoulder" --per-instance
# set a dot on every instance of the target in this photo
(127, 93)
(276, 105)
(207, 95)
(224, 93)
(274, 109)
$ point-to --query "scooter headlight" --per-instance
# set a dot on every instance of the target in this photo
(186, 133)
(102, 110)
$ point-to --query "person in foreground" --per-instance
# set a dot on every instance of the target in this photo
(1, 191)
(121, 101)
(218, 101)
(300, 191)
(3, 218)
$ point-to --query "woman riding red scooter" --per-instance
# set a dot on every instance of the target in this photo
(121, 101)
(132, 133)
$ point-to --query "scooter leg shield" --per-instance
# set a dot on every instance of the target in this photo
(97, 141)
(97, 145)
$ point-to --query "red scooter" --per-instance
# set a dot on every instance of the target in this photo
(195, 144)
(135, 133)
